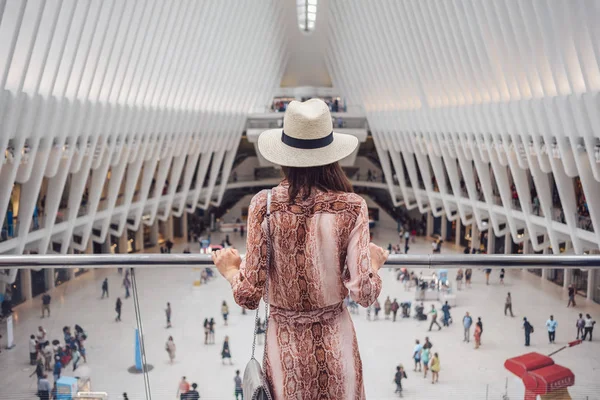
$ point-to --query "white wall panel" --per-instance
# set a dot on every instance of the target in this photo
(512, 86)
(145, 90)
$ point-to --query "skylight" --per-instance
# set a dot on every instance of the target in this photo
(307, 15)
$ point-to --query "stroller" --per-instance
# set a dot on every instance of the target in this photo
(405, 309)
(420, 314)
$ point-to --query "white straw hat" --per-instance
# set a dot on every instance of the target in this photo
(307, 138)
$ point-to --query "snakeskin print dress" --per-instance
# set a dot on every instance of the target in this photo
(320, 255)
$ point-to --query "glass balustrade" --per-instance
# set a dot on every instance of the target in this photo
(126, 348)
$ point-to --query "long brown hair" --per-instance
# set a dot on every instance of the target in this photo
(326, 178)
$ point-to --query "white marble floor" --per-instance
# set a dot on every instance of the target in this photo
(465, 373)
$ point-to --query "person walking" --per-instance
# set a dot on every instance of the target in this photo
(387, 307)
(168, 315)
(226, 352)
(459, 278)
(467, 322)
(580, 325)
(33, 350)
(502, 276)
(314, 197)
(211, 331)
(468, 275)
(126, 284)
(225, 312)
(425, 357)
(508, 305)
(76, 355)
(528, 328)
(39, 369)
(400, 374)
(395, 306)
(487, 271)
(57, 368)
(478, 332)
(434, 315)
(44, 388)
(118, 306)
(417, 355)
(571, 296)
(589, 327)
(46, 350)
(446, 311)
(105, 288)
(206, 330)
(46, 299)
(406, 241)
(183, 388)
(238, 389)
(171, 349)
(435, 368)
(551, 324)
(193, 393)
(377, 308)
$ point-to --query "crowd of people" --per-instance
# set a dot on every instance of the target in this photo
(52, 357)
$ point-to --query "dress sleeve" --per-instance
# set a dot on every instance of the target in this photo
(249, 283)
(363, 283)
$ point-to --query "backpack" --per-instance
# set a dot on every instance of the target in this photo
(531, 328)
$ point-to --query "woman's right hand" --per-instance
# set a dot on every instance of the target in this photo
(378, 256)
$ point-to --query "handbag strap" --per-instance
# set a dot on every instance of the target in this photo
(266, 296)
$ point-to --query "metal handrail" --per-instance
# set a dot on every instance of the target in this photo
(395, 260)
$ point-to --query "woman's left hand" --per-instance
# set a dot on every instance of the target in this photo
(228, 262)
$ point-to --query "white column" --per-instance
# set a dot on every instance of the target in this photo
(491, 241)
(169, 227)
(527, 247)
(26, 284)
(123, 242)
(154, 233)
(429, 229)
(184, 226)
(50, 284)
(457, 233)
(545, 271)
(444, 227)
(568, 274)
(507, 243)
(139, 238)
(590, 283)
(474, 236)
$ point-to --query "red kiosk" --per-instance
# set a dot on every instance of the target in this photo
(541, 376)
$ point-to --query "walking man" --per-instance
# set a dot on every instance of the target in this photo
(508, 305)
(551, 325)
(183, 388)
(46, 304)
(168, 313)
(434, 314)
(528, 330)
(126, 285)
(118, 306)
(571, 296)
(589, 327)
(105, 288)
(580, 324)
(238, 385)
(395, 307)
(467, 322)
